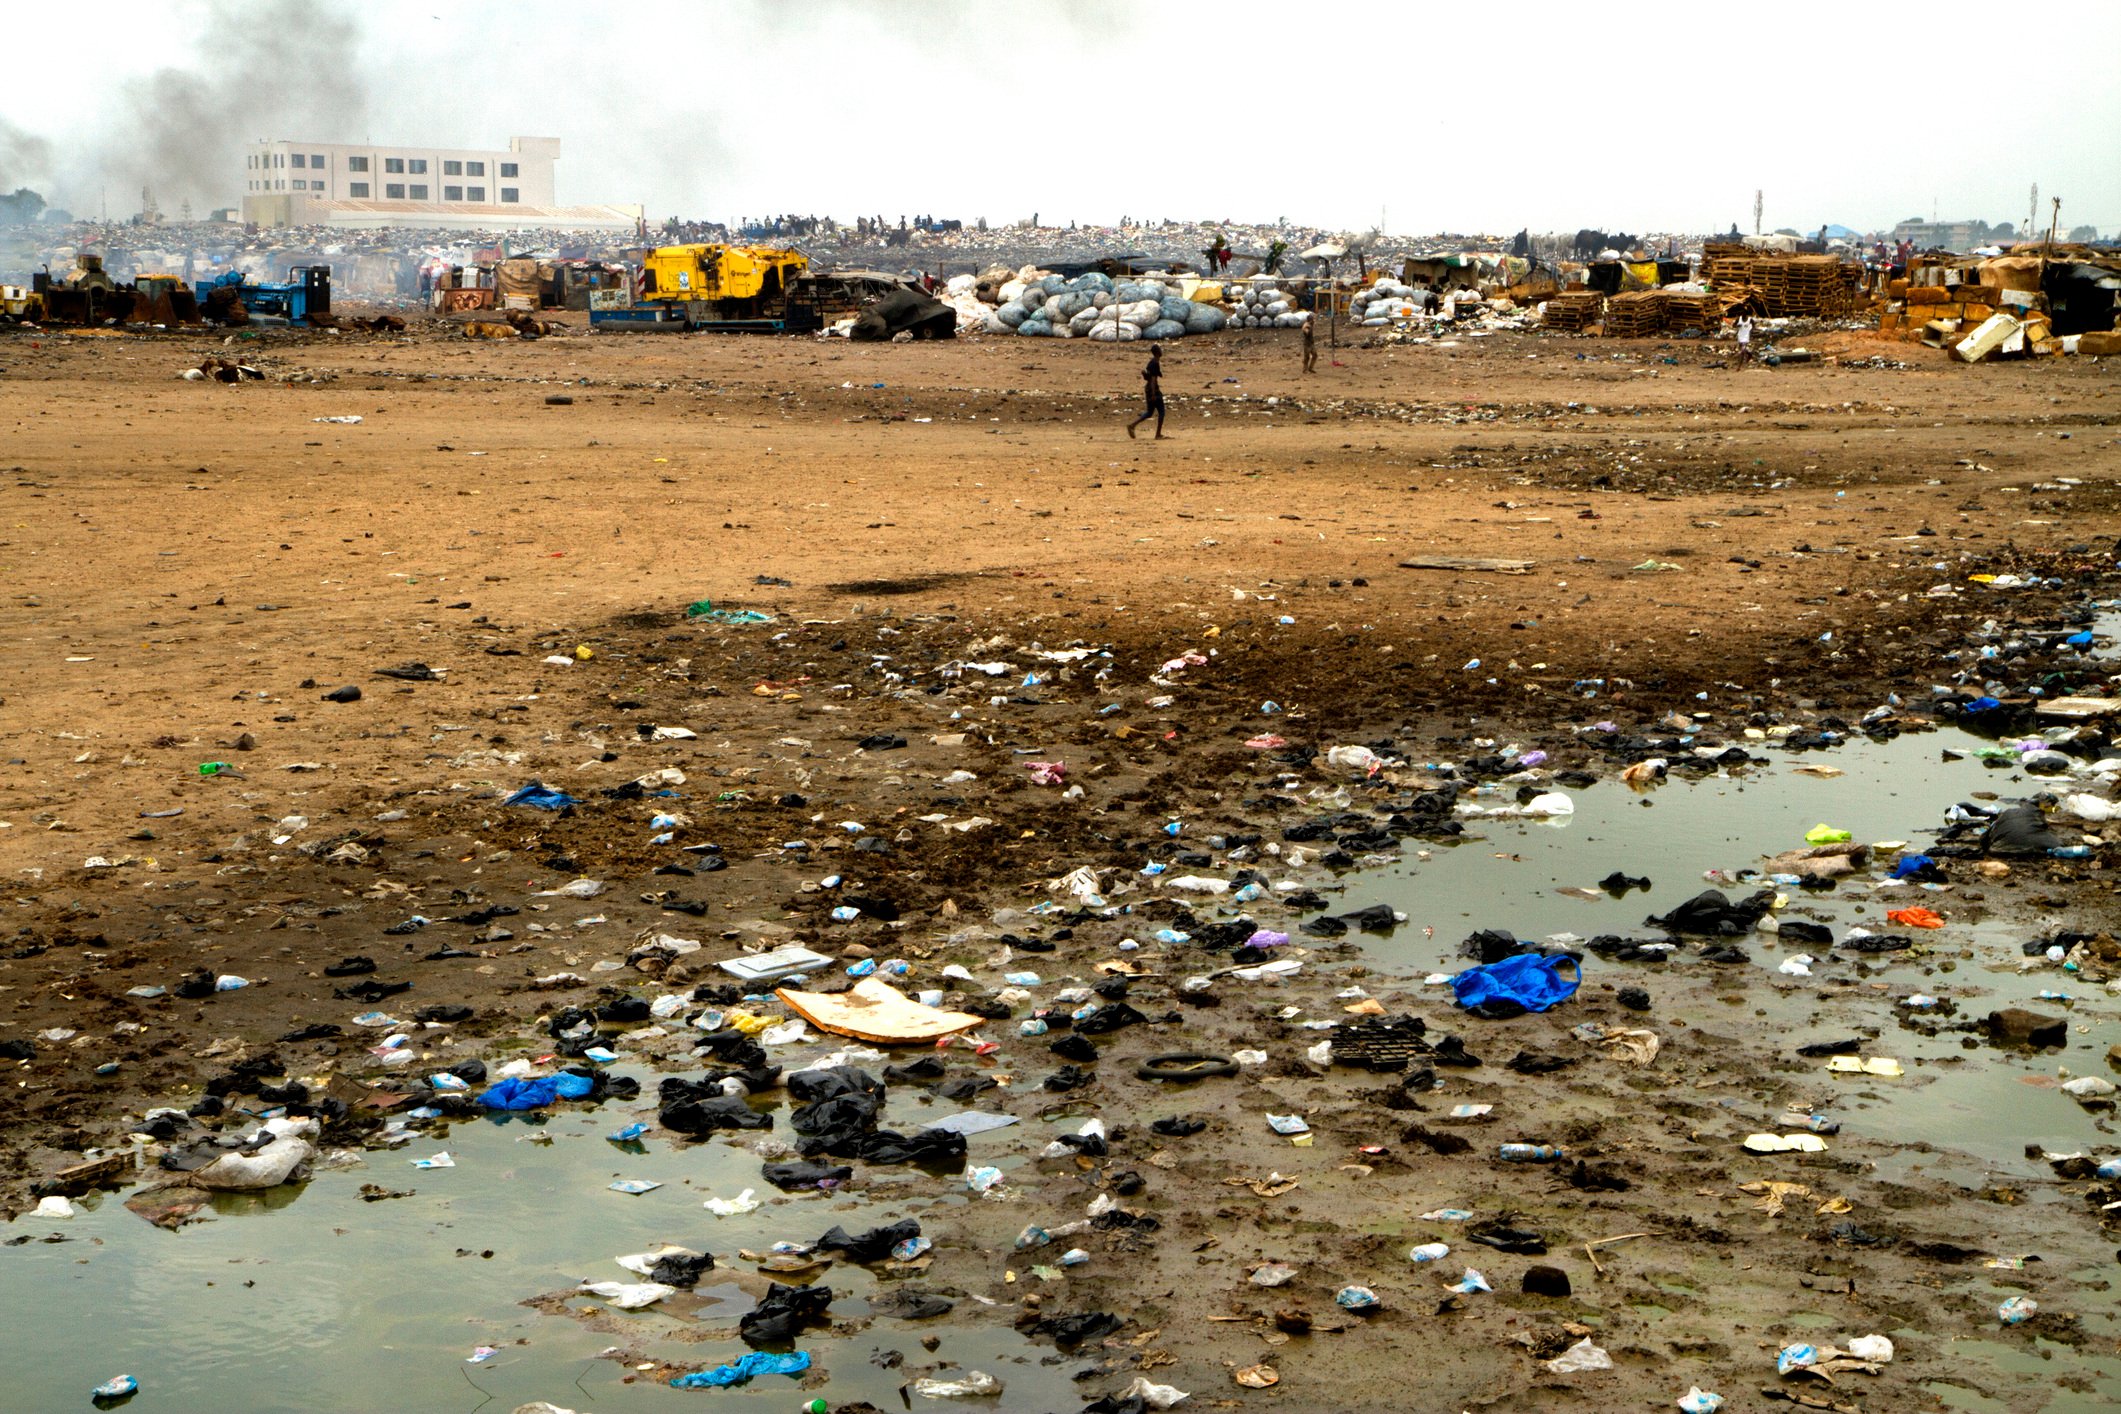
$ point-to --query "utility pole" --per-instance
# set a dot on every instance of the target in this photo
(2032, 213)
(1759, 202)
(2053, 222)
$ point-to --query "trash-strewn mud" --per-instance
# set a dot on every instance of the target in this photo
(972, 577)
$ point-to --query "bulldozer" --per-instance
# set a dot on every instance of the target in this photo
(723, 287)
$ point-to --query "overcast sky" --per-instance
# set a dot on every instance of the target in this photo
(1426, 117)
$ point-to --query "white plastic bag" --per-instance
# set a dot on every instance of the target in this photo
(1581, 1356)
(1878, 1349)
(730, 1207)
(628, 1295)
(267, 1167)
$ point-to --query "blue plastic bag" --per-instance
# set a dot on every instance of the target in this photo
(757, 1362)
(539, 796)
(1911, 864)
(1531, 980)
(569, 1086)
(521, 1094)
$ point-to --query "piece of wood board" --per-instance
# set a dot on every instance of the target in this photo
(1468, 563)
(876, 1012)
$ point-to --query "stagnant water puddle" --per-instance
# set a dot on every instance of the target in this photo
(1988, 1103)
(311, 1298)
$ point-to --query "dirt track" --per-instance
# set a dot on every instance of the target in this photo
(190, 567)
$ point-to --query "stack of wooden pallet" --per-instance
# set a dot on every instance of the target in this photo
(1815, 285)
(1727, 265)
(1638, 314)
(1787, 284)
(1691, 311)
(1573, 310)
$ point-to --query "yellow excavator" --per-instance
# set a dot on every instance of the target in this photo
(725, 287)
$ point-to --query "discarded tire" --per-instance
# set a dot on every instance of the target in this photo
(1180, 1066)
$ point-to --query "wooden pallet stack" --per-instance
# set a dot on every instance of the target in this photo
(1814, 285)
(1727, 265)
(1689, 311)
(1573, 311)
(1638, 314)
(1788, 285)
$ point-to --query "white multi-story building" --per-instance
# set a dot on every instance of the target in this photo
(381, 184)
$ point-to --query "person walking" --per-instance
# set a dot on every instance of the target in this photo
(1745, 339)
(1152, 392)
(1310, 345)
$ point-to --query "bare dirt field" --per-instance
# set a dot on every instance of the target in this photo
(190, 568)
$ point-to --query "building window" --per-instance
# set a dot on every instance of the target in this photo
(508, 169)
(301, 161)
(316, 160)
(358, 190)
(474, 193)
(452, 169)
(416, 165)
(508, 194)
(419, 191)
(357, 164)
(395, 191)
(452, 193)
(393, 164)
(474, 169)
(279, 159)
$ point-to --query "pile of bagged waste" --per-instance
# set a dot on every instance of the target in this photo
(1261, 303)
(1095, 306)
(1387, 302)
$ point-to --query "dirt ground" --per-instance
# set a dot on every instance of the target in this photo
(191, 567)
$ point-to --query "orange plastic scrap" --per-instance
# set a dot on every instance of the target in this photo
(1915, 918)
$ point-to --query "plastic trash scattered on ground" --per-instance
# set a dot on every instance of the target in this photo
(1582, 1356)
(1515, 985)
(744, 1368)
(973, 1384)
(1699, 1401)
(1883, 1066)
(539, 796)
(626, 1295)
(744, 1202)
(1531, 1153)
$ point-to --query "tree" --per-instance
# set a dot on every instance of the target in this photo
(20, 207)
(2083, 235)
